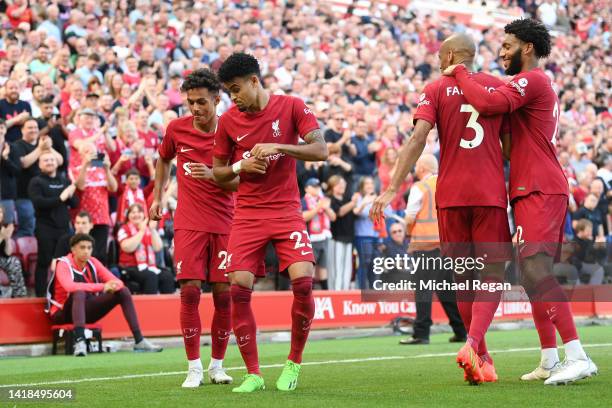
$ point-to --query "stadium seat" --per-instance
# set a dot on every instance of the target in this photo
(27, 247)
(66, 331)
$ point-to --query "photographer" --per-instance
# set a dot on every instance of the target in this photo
(51, 196)
(94, 182)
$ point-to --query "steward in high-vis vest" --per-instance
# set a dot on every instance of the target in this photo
(422, 226)
(81, 290)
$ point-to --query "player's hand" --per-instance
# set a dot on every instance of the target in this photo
(377, 212)
(155, 212)
(254, 165)
(111, 286)
(263, 150)
(450, 70)
(201, 171)
(6, 150)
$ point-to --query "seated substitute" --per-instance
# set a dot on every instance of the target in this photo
(82, 290)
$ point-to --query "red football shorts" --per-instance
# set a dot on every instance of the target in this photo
(540, 222)
(203, 256)
(249, 238)
(481, 232)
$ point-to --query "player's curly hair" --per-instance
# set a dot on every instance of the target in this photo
(531, 31)
(201, 78)
(239, 65)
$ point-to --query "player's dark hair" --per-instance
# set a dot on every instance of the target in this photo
(531, 31)
(80, 238)
(202, 78)
(239, 65)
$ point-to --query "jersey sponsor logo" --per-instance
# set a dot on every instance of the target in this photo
(276, 156)
(423, 103)
(523, 82)
(183, 150)
(308, 111)
(239, 138)
(423, 96)
(518, 87)
(187, 168)
(179, 265)
(276, 132)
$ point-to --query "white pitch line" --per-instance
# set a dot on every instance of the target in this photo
(352, 360)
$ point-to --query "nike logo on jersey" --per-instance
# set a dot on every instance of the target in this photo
(183, 150)
(239, 138)
(306, 252)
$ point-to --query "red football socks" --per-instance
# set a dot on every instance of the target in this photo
(483, 309)
(557, 308)
(245, 328)
(190, 321)
(221, 324)
(302, 312)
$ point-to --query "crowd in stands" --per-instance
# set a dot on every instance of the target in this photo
(87, 88)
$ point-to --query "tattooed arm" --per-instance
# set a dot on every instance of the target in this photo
(315, 148)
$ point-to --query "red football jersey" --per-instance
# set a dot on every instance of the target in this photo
(202, 205)
(534, 121)
(274, 194)
(471, 162)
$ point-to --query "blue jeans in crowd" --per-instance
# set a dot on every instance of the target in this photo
(9, 211)
(366, 247)
(25, 217)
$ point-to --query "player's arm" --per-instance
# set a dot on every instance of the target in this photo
(225, 173)
(315, 148)
(409, 153)
(485, 102)
(162, 175)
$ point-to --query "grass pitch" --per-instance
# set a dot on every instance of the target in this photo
(363, 372)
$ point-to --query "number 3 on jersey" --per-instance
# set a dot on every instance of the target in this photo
(472, 124)
(297, 236)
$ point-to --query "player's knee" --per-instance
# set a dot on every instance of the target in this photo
(124, 292)
(302, 286)
(240, 294)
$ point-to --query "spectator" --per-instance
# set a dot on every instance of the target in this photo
(138, 242)
(343, 234)
(394, 245)
(13, 110)
(366, 237)
(589, 211)
(317, 212)
(132, 194)
(82, 225)
(94, 182)
(585, 261)
(49, 125)
(28, 149)
(363, 147)
(10, 168)
(78, 278)
(10, 264)
(51, 196)
(87, 132)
